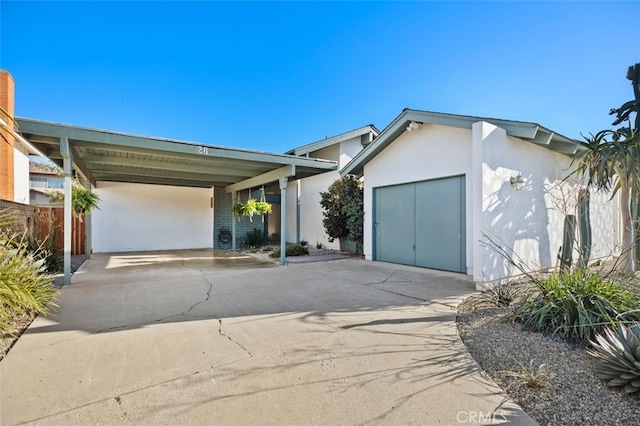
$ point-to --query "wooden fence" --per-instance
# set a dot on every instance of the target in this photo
(51, 227)
(46, 224)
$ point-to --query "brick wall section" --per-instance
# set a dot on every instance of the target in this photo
(222, 217)
(23, 219)
(6, 139)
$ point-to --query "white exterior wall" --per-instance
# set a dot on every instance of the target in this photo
(348, 150)
(307, 191)
(21, 174)
(137, 217)
(530, 221)
(429, 152)
(311, 227)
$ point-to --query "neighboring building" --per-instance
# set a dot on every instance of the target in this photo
(14, 150)
(439, 187)
(42, 179)
(14, 153)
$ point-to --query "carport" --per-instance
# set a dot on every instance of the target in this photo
(102, 155)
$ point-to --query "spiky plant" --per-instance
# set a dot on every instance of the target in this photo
(531, 376)
(576, 305)
(617, 356)
(25, 288)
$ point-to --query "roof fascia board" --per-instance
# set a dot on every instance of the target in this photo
(274, 175)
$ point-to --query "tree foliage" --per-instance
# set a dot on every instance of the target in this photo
(343, 215)
(610, 160)
(624, 112)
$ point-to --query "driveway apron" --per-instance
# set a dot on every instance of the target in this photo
(202, 337)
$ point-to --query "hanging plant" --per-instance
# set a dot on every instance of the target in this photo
(82, 199)
(238, 210)
(263, 207)
(252, 208)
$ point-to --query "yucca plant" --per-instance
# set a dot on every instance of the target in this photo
(617, 356)
(25, 288)
(577, 305)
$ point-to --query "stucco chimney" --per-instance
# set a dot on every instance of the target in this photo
(6, 138)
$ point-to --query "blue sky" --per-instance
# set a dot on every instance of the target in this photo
(273, 76)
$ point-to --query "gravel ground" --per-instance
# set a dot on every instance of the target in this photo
(573, 396)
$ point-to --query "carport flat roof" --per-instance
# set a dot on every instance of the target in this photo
(104, 155)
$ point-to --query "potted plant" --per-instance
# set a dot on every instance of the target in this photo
(250, 208)
(83, 199)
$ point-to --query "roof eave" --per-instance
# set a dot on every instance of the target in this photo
(530, 132)
(324, 143)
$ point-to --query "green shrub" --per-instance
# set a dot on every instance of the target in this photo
(343, 212)
(297, 250)
(577, 305)
(256, 238)
(294, 250)
(25, 289)
(617, 356)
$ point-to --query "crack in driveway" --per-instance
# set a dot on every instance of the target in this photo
(180, 314)
(124, 413)
(231, 340)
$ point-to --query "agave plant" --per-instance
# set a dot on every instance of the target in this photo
(617, 356)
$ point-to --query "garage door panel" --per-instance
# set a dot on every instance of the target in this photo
(438, 224)
(395, 226)
(421, 224)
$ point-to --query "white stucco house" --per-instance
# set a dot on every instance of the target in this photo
(439, 186)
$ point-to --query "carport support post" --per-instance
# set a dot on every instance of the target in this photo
(66, 155)
(283, 220)
(87, 218)
(299, 183)
(233, 222)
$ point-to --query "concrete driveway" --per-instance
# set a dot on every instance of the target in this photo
(189, 338)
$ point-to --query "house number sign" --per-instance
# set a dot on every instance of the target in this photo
(203, 150)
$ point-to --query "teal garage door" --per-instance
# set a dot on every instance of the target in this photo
(421, 224)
